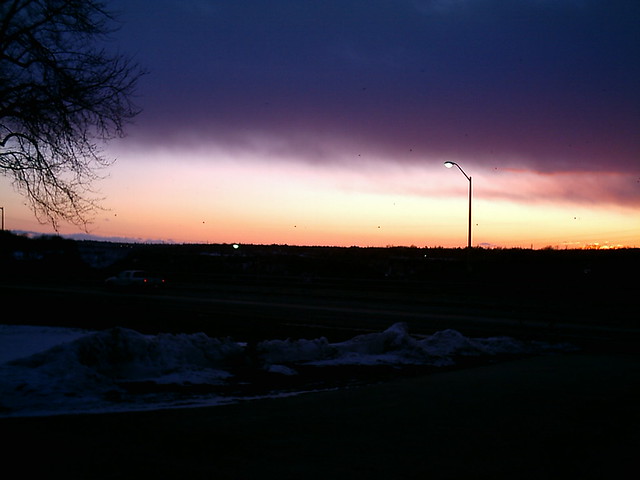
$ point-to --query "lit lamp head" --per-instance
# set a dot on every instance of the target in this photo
(449, 164)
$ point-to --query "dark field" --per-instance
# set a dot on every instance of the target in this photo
(258, 292)
(569, 416)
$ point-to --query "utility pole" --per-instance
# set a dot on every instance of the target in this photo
(452, 164)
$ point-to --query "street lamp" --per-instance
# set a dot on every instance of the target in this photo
(450, 165)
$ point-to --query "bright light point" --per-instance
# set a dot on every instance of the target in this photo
(449, 164)
(236, 246)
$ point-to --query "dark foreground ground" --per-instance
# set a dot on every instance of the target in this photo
(562, 416)
(572, 415)
(569, 416)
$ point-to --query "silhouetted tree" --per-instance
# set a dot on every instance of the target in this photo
(61, 96)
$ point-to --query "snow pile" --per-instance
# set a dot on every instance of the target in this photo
(73, 371)
(88, 373)
(21, 341)
(394, 346)
(128, 355)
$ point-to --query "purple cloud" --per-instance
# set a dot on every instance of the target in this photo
(549, 86)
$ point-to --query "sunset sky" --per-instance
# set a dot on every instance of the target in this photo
(328, 122)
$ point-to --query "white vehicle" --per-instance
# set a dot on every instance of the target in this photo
(135, 279)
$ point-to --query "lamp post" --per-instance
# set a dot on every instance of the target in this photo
(450, 165)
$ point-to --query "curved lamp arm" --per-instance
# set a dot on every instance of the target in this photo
(451, 164)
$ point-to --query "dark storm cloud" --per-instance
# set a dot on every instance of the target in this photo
(544, 84)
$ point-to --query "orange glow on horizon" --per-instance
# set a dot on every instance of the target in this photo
(252, 202)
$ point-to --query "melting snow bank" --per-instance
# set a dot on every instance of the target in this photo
(123, 370)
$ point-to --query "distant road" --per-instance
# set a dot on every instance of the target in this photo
(256, 312)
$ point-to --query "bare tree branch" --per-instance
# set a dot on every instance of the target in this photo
(61, 95)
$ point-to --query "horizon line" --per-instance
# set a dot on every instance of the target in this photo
(138, 241)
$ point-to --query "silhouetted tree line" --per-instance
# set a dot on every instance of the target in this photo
(515, 268)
